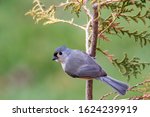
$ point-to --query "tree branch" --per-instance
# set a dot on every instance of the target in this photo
(94, 31)
(92, 50)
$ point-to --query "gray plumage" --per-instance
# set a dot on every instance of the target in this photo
(78, 64)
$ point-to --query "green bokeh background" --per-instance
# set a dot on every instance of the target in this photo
(26, 49)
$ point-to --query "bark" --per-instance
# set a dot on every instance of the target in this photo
(92, 50)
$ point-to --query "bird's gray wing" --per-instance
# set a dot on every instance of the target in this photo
(81, 65)
(90, 71)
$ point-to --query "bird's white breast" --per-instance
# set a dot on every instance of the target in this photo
(63, 66)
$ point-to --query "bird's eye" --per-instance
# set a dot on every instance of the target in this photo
(60, 53)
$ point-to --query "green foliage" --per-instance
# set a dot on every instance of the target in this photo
(129, 67)
(124, 5)
(111, 25)
(142, 89)
(137, 17)
(39, 13)
(144, 1)
(118, 11)
(142, 38)
(123, 10)
(75, 7)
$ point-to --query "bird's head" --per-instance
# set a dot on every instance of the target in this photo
(61, 53)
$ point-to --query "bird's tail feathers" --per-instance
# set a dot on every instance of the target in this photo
(119, 86)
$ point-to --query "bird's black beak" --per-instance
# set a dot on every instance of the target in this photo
(55, 58)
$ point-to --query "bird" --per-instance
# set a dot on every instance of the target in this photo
(79, 64)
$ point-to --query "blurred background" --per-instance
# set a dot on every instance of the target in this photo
(26, 67)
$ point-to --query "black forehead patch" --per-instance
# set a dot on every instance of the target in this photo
(55, 54)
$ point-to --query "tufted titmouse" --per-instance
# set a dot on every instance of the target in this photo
(78, 64)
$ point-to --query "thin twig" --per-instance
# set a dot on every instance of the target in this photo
(144, 97)
(38, 4)
(87, 11)
(116, 97)
(106, 95)
(142, 83)
(114, 19)
(109, 56)
(87, 36)
(106, 2)
(63, 4)
(72, 23)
